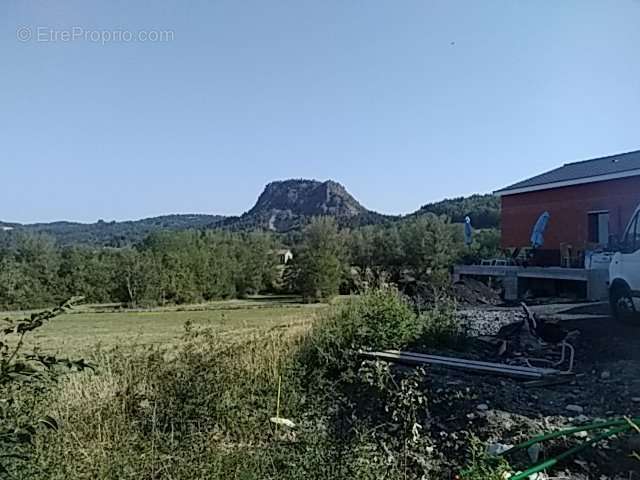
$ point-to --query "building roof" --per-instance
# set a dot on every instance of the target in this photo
(586, 171)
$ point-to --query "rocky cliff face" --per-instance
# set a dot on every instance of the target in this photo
(307, 197)
(288, 204)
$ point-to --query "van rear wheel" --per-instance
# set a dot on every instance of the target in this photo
(622, 307)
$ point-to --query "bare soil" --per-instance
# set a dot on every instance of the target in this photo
(504, 410)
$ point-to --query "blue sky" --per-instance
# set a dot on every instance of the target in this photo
(402, 102)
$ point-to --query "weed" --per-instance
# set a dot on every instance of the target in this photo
(483, 466)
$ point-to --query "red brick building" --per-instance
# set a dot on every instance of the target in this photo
(589, 202)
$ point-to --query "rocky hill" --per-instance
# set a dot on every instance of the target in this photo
(289, 204)
(283, 206)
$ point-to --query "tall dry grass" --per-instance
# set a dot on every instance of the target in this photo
(202, 408)
(159, 413)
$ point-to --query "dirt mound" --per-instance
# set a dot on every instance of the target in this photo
(473, 292)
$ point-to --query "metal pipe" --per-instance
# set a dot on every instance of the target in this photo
(578, 448)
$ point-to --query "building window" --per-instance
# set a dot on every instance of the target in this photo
(598, 227)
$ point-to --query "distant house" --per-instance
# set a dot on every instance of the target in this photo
(6, 229)
(284, 256)
(589, 202)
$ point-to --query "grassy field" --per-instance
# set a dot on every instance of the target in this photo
(80, 331)
(278, 393)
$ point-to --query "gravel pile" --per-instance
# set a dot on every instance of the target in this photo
(487, 321)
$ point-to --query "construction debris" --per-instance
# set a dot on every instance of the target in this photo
(411, 358)
(550, 382)
(534, 340)
(521, 409)
(575, 408)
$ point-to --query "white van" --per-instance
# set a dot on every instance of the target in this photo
(624, 274)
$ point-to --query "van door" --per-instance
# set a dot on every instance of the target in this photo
(630, 258)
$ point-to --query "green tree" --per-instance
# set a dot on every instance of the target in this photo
(485, 245)
(88, 272)
(137, 280)
(429, 247)
(35, 262)
(12, 284)
(320, 260)
(256, 263)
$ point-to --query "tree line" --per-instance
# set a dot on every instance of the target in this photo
(201, 265)
(418, 248)
(167, 267)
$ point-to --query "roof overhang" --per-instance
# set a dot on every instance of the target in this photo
(568, 183)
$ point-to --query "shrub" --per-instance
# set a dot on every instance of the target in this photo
(24, 377)
(440, 325)
(379, 319)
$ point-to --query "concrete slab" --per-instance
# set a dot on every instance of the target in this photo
(595, 280)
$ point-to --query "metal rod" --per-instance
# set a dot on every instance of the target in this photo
(544, 371)
(414, 360)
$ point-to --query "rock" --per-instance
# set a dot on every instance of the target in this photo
(633, 444)
(534, 452)
(635, 399)
(486, 322)
(606, 374)
(575, 408)
(282, 421)
(535, 476)
(286, 203)
(582, 419)
(483, 407)
(497, 448)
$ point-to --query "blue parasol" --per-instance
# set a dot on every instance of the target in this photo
(537, 234)
(468, 231)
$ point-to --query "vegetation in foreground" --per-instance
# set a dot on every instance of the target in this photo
(285, 403)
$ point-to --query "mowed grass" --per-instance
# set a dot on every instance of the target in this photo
(83, 330)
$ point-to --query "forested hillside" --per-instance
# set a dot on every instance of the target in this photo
(484, 210)
(114, 234)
